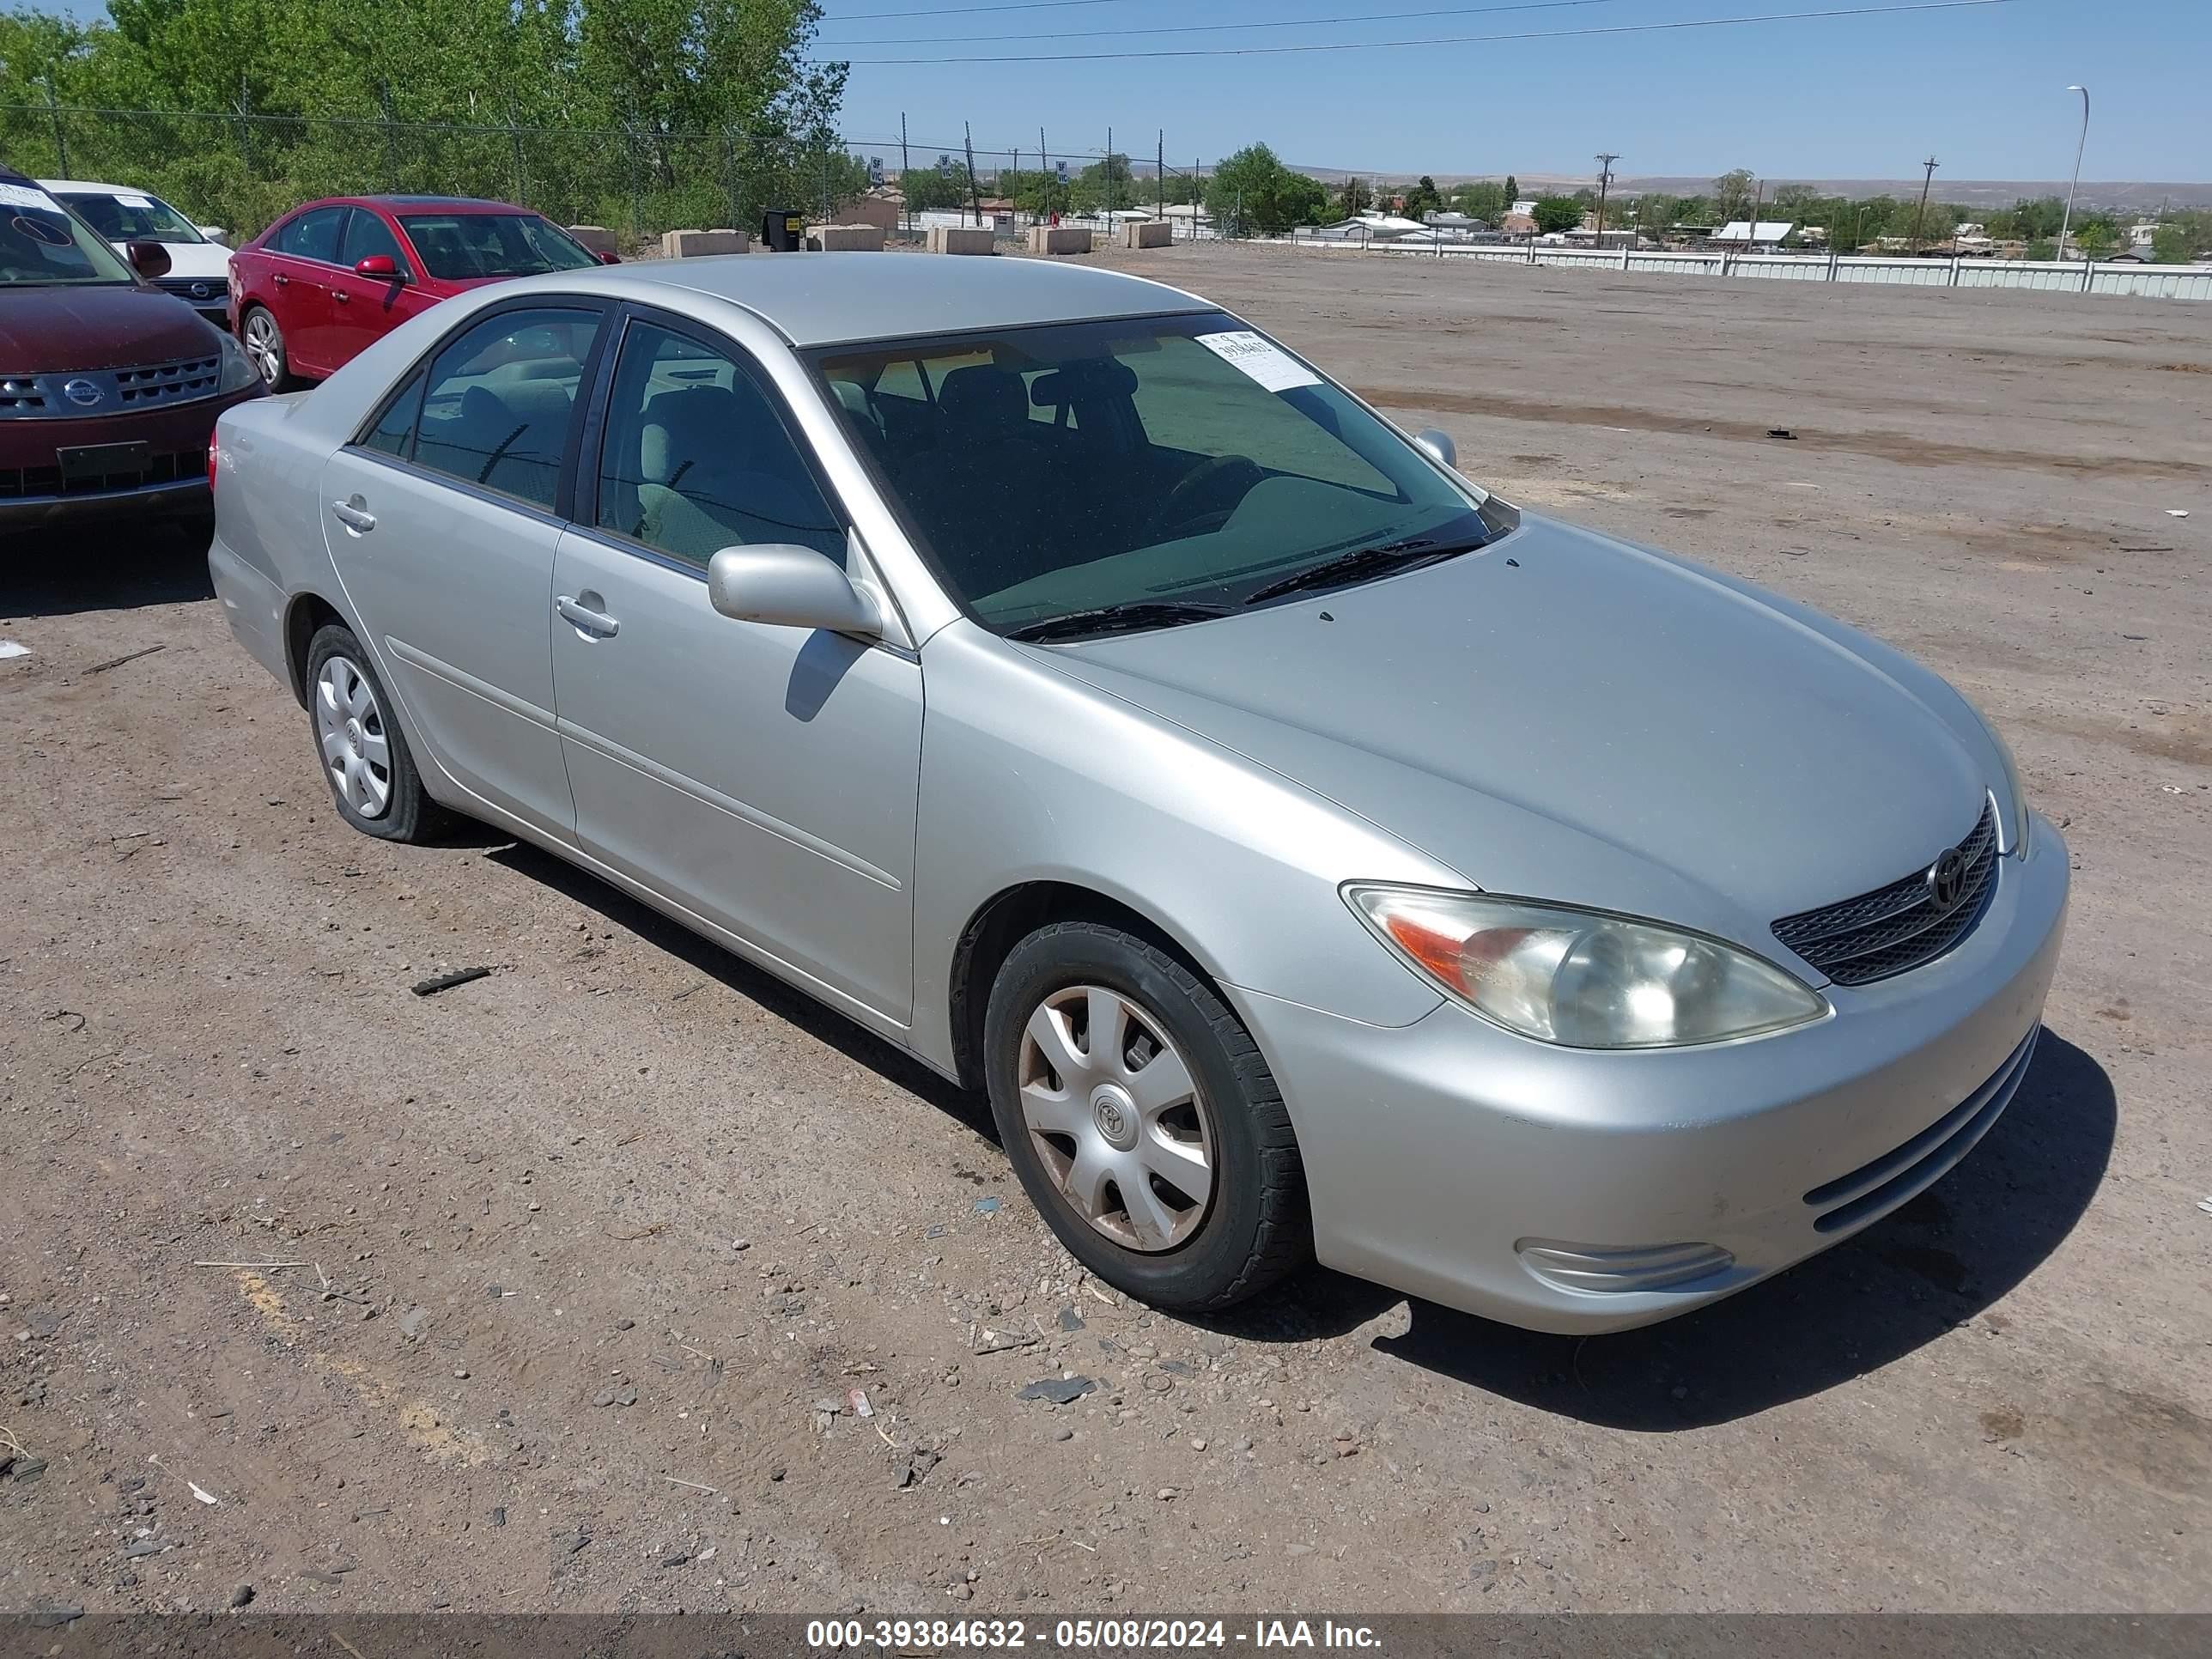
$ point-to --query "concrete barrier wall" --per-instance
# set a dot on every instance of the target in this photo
(2123, 278)
(847, 238)
(1150, 233)
(598, 238)
(960, 239)
(1060, 239)
(695, 244)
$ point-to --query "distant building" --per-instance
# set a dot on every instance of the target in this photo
(1517, 224)
(1526, 207)
(1449, 221)
(1767, 233)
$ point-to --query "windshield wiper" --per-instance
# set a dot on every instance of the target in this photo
(1362, 562)
(1117, 619)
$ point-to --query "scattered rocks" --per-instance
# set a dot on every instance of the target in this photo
(566, 1544)
(1063, 1434)
(676, 1557)
(1059, 1390)
(242, 1595)
(499, 1515)
(1070, 1320)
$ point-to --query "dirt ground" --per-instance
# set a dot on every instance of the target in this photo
(591, 1260)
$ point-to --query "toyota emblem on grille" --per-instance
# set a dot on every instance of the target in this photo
(1946, 880)
(82, 392)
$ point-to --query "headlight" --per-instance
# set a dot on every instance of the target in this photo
(1581, 979)
(2012, 800)
(237, 372)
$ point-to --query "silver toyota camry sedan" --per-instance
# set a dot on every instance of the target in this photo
(1311, 854)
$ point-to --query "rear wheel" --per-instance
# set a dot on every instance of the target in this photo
(364, 756)
(264, 348)
(1142, 1120)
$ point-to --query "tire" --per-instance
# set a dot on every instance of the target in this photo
(1065, 1113)
(263, 337)
(359, 746)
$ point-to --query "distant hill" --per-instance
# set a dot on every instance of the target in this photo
(2128, 195)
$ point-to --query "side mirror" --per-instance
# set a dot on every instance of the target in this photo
(610, 257)
(1439, 444)
(149, 260)
(790, 587)
(379, 268)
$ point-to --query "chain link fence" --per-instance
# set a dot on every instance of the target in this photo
(241, 171)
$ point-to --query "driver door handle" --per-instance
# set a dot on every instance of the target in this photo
(596, 622)
(358, 519)
(340, 295)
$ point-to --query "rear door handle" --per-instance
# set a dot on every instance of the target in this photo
(281, 280)
(591, 622)
(340, 295)
(359, 520)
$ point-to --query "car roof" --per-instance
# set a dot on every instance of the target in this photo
(833, 299)
(449, 203)
(87, 187)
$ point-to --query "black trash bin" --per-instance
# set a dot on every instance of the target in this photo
(783, 231)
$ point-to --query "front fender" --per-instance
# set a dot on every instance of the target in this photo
(1030, 775)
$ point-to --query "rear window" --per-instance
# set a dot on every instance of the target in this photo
(456, 248)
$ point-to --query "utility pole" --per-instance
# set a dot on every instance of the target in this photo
(1112, 195)
(1044, 166)
(1927, 178)
(1605, 161)
(975, 200)
(61, 139)
(1160, 175)
(906, 184)
(2080, 145)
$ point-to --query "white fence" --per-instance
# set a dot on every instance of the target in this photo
(2134, 281)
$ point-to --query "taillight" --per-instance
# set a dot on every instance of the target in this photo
(212, 459)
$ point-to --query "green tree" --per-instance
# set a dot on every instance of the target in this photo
(1654, 212)
(2169, 245)
(1512, 189)
(1732, 195)
(1106, 184)
(1558, 213)
(2095, 235)
(1254, 194)
(1481, 200)
(1355, 197)
(1422, 198)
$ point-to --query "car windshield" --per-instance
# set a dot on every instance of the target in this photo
(1156, 469)
(457, 247)
(42, 245)
(132, 218)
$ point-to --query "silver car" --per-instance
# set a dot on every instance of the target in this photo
(1311, 854)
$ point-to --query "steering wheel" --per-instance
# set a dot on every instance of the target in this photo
(1187, 509)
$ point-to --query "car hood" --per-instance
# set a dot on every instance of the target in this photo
(1562, 715)
(46, 330)
(200, 262)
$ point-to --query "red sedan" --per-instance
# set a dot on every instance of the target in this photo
(330, 278)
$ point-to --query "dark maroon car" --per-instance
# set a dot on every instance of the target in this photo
(331, 277)
(109, 388)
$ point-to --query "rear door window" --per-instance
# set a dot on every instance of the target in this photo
(500, 398)
(314, 235)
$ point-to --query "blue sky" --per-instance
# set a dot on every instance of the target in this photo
(1983, 89)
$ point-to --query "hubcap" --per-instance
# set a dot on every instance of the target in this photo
(356, 749)
(261, 345)
(1116, 1117)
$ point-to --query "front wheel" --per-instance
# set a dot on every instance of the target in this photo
(1142, 1119)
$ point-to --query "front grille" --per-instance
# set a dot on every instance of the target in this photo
(210, 290)
(1899, 926)
(1875, 1188)
(166, 466)
(169, 383)
(63, 394)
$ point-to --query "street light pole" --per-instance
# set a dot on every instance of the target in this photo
(2067, 223)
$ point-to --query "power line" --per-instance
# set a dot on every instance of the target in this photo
(1217, 29)
(1432, 40)
(956, 11)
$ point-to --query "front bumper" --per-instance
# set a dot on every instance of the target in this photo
(33, 496)
(1456, 1162)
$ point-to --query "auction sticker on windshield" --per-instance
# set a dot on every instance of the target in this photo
(23, 196)
(1264, 360)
